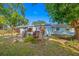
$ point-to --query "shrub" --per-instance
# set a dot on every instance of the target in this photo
(30, 38)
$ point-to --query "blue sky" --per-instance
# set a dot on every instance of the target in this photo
(36, 12)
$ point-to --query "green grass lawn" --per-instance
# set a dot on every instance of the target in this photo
(50, 48)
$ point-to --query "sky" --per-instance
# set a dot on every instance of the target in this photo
(36, 12)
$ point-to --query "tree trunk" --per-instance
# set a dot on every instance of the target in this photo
(75, 25)
(77, 33)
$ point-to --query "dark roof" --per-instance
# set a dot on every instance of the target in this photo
(60, 25)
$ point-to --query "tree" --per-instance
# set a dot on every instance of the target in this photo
(65, 13)
(15, 14)
(39, 22)
(19, 7)
(2, 22)
(22, 20)
(17, 20)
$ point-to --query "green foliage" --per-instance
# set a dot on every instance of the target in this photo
(63, 12)
(39, 22)
(14, 14)
(17, 20)
(2, 20)
(22, 20)
(30, 38)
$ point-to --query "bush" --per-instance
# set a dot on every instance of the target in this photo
(30, 38)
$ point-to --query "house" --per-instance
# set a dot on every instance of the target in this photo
(50, 29)
(60, 29)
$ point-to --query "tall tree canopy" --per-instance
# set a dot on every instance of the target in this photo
(65, 13)
(14, 14)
